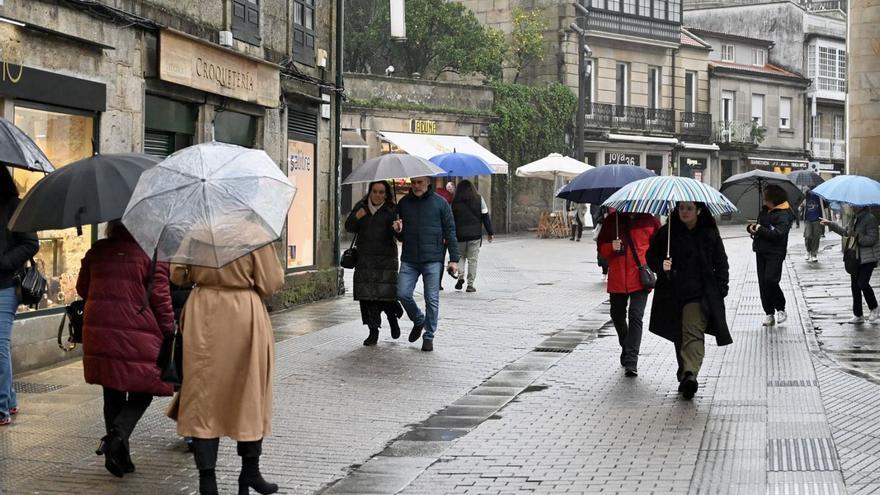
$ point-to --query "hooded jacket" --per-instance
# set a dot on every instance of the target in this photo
(772, 237)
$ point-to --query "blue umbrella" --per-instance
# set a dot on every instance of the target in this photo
(852, 189)
(461, 165)
(598, 184)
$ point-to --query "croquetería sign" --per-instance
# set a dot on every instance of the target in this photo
(193, 62)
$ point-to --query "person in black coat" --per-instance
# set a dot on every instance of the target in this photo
(692, 282)
(770, 244)
(471, 215)
(375, 274)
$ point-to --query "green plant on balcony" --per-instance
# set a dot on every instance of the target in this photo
(758, 133)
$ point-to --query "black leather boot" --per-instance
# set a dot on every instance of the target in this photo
(205, 454)
(250, 476)
(373, 338)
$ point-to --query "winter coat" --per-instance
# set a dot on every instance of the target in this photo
(470, 219)
(15, 247)
(865, 228)
(623, 273)
(705, 248)
(772, 237)
(121, 340)
(228, 348)
(427, 222)
(375, 275)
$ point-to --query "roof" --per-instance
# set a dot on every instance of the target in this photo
(731, 37)
(690, 39)
(768, 69)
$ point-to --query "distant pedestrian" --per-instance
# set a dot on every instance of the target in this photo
(692, 283)
(15, 249)
(425, 224)
(228, 363)
(770, 244)
(471, 215)
(623, 241)
(375, 275)
(599, 213)
(861, 234)
(813, 228)
(578, 212)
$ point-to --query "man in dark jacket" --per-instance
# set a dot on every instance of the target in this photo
(770, 244)
(425, 223)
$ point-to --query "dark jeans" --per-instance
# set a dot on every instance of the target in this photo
(123, 410)
(861, 284)
(629, 334)
(577, 227)
(371, 312)
(769, 276)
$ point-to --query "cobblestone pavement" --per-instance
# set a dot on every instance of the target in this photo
(522, 394)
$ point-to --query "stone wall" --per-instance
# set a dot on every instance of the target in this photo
(391, 91)
(863, 101)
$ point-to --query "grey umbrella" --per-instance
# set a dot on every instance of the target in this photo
(746, 190)
(19, 151)
(92, 190)
(806, 178)
(392, 166)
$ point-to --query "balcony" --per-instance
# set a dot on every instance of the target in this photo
(637, 27)
(824, 5)
(737, 134)
(695, 126)
(627, 118)
(828, 149)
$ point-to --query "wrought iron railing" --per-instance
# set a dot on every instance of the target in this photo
(624, 117)
(824, 5)
(829, 149)
(695, 125)
(640, 27)
(737, 132)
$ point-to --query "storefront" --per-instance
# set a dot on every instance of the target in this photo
(653, 153)
(778, 165)
(302, 143)
(699, 162)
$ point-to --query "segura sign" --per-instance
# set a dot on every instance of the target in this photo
(195, 63)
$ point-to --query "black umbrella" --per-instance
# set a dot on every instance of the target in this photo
(92, 190)
(19, 151)
(806, 178)
(746, 190)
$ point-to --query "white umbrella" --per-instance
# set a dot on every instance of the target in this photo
(552, 166)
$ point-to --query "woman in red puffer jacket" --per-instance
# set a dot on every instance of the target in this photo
(121, 337)
(621, 234)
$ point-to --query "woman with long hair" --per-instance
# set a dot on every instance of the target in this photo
(688, 256)
(862, 235)
(471, 215)
(375, 275)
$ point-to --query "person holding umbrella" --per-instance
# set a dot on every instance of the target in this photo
(814, 229)
(863, 236)
(770, 244)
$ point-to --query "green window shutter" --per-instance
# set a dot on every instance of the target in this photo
(158, 143)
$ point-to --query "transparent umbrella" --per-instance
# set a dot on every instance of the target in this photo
(209, 204)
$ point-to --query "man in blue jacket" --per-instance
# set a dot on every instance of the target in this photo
(425, 222)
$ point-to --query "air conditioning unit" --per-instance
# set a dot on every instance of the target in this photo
(226, 38)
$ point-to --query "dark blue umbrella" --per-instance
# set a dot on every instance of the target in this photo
(461, 165)
(598, 184)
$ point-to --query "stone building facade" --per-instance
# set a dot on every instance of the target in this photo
(864, 89)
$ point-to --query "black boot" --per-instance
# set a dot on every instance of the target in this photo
(373, 338)
(395, 326)
(115, 453)
(250, 476)
(205, 454)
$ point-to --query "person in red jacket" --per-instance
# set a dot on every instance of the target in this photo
(623, 242)
(121, 337)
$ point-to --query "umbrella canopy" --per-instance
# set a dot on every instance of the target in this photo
(392, 166)
(552, 166)
(19, 151)
(806, 178)
(461, 165)
(656, 195)
(598, 184)
(92, 190)
(852, 189)
(745, 190)
(209, 204)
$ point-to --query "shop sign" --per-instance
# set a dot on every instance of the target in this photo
(623, 159)
(423, 126)
(197, 64)
(301, 216)
(772, 163)
(693, 163)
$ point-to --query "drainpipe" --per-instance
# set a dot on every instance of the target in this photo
(674, 120)
(337, 129)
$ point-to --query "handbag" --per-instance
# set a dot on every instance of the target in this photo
(852, 256)
(31, 285)
(74, 316)
(647, 277)
(349, 256)
(170, 358)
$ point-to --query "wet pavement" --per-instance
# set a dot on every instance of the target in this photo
(523, 394)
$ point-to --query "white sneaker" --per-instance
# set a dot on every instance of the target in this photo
(815, 259)
(856, 320)
(807, 257)
(874, 314)
(769, 321)
(781, 316)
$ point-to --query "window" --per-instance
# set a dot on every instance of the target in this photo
(304, 32)
(839, 128)
(645, 8)
(759, 56)
(785, 113)
(302, 134)
(831, 65)
(629, 6)
(727, 106)
(588, 84)
(660, 9)
(599, 4)
(246, 21)
(675, 10)
(622, 87)
(758, 109)
(728, 53)
(811, 61)
(690, 91)
(235, 128)
(654, 87)
(614, 5)
(817, 126)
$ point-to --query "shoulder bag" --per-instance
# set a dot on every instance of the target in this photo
(349, 256)
(170, 358)
(851, 255)
(647, 277)
(74, 316)
(31, 285)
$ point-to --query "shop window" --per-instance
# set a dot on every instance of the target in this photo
(654, 163)
(302, 135)
(168, 125)
(64, 138)
(246, 21)
(235, 128)
(304, 32)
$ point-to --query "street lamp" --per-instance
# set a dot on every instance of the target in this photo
(579, 27)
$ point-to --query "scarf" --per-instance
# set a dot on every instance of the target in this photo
(374, 209)
(782, 206)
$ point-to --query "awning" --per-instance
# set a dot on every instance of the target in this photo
(353, 139)
(697, 146)
(642, 139)
(428, 146)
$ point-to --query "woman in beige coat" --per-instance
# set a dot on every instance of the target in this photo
(228, 361)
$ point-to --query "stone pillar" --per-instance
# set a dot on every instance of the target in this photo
(863, 78)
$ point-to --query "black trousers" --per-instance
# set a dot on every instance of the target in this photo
(861, 284)
(769, 276)
(577, 227)
(629, 333)
(205, 450)
(123, 410)
(371, 312)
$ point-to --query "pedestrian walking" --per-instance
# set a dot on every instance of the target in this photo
(770, 244)
(623, 241)
(375, 274)
(424, 225)
(16, 249)
(861, 235)
(228, 363)
(813, 227)
(599, 213)
(471, 215)
(578, 212)
(122, 336)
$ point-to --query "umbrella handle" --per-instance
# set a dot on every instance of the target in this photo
(78, 218)
(668, 234)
